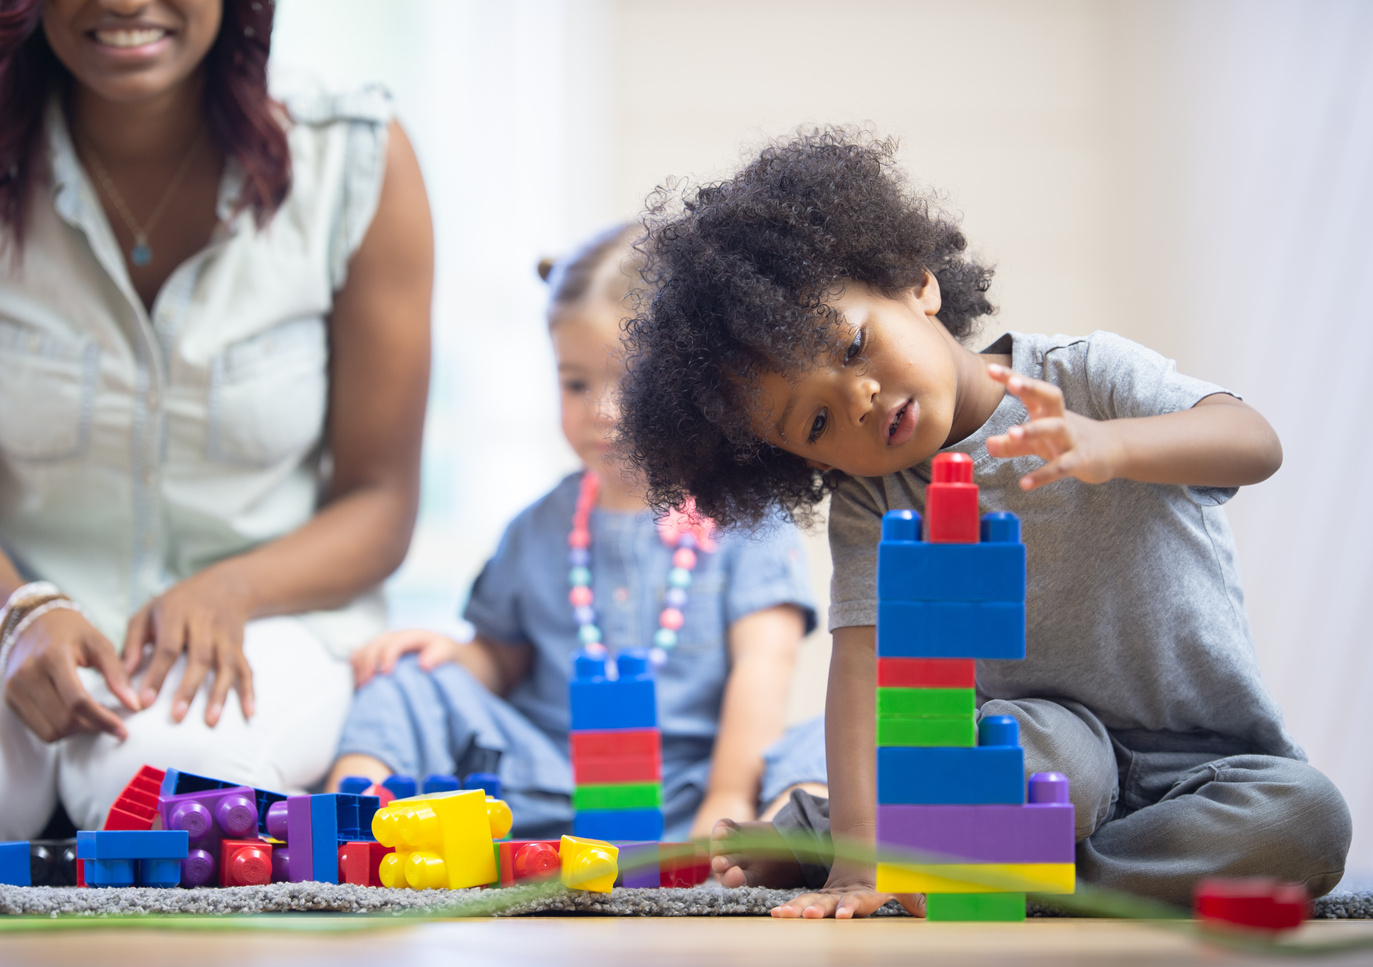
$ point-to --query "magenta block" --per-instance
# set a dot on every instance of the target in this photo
(298, 829)
(993, 833)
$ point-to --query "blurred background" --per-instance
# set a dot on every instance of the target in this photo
(1197, 176)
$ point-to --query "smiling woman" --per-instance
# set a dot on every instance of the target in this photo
(214, 330)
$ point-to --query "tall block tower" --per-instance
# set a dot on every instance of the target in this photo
(949, 788)
(616, 749)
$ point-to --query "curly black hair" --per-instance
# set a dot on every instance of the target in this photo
(739, 272)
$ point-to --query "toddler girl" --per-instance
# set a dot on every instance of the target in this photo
(724, 674)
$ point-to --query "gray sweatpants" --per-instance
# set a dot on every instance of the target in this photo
(1158, 811)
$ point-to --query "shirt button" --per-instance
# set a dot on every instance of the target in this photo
(149, 477)
(622, 595)
(152, 401)
(148, 540)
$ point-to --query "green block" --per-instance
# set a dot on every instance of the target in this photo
(618, 795)
(934, 703)
(908, 730)
(984, 907)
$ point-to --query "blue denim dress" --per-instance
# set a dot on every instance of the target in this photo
(422, 723)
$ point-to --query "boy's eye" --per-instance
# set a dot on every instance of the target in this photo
(855, 348)
(574, 386)
(817, 426)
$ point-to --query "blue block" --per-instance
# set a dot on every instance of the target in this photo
(335, 819)
(133, 844)
(402, 787)
(944, 775)
(919, 571)
(111, 872)
(951, 629)
(487, 782)
(159, 873)
(619, 824)
(354, 785)
(620, 704)
(440, 783)
(14, 863)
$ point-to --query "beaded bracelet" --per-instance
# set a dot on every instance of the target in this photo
(25, 598)
(10, 630)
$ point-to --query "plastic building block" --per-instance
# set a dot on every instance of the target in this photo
(336, 818)
(384, 796)
(908, 730)
(245, 862)
(1001, 730)
(14, 863)
(132, 857)
(354, 785)
(682, 865)
(487, 782)
(52, 862)
(209, 816)
(951, 629)
(638, 864)
(526, 859)
(935, 703)
(625, 702)
(593, 770)
(926, 673)
(920, 571)
(440, 783)
(976, 907)
(178, 783)
(136, 807)
(1258, 902)
(301, 864)
(402, 787)
(951, 500)
(977, 878)
(615, 742)
(980, 834)
(636, 825)
(443, 840)
(945, 775)
(629, 795)
(587, 864)
(360, 863)
(1048, 788)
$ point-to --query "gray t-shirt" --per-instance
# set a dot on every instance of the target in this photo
(1134, 603)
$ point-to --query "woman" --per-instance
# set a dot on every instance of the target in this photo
(214, 339)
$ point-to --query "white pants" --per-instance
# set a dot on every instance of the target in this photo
(302, 695)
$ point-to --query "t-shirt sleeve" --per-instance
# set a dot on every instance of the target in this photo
(493, 607)
(769, 569)
(1125, 380)
(855, 528)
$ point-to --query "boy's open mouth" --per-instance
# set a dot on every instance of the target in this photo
(902, 425)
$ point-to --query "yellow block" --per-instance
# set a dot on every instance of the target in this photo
(441, 840)
(588, 864)
(977, 878)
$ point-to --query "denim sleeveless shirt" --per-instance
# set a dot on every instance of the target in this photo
(137, 448)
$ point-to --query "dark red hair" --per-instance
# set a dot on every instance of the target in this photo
(244, 121)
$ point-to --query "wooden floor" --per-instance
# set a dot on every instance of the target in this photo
(644, 942)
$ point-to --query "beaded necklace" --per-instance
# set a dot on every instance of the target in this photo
(684, 531)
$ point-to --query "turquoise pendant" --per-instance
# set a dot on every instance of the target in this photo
(141, 254)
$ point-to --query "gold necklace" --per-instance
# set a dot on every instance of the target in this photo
(141, 253)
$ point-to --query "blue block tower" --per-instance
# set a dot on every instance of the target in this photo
(953, 821)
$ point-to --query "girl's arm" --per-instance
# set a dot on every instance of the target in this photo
(762, 648)
(1219, 442)
(499, 667)
(379, 375)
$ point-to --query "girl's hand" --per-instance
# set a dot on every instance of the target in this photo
(204, 617)
(42, 686)
(844, 899)
(381, 653)
(716, 806)
(1071, 445)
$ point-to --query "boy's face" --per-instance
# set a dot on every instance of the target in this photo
(586, 342)
(884, 402)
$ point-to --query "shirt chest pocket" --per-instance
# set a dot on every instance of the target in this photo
(269, 395)
(47, 387)
(703, 627)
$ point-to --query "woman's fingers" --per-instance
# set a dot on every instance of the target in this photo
(83, 712)
(225, 675)
(135, 639)
(99, 654)
(169, 639)
(246, 699)
(198, 662)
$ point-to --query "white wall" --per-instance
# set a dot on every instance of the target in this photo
(1194, 175)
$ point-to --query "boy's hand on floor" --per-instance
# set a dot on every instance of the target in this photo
(717, 806)
(379, 656)
(844, 901)
(1071, 445)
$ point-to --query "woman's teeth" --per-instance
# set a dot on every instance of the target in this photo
(130, 38)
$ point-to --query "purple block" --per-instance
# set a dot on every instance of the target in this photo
(638, 864)
(208, 817)
(298, 827)
(992, 833)
(281, 864)
(277, 821)
(199, 868)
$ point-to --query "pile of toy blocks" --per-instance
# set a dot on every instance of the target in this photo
(952, 817)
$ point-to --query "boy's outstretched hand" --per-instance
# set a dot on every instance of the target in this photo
(844, 901)
(1071, 445)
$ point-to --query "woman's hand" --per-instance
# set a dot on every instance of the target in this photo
(381, 653)
(716, 806)
(43, 688)
(1071, 445)
(203, 616)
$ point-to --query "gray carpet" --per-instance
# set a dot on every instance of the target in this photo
(701, 901)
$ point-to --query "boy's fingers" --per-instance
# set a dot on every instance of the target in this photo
(1047, 474)
(1044, 438)
(801, 906)
(1040, 398)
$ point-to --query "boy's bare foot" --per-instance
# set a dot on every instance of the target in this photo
(844, 902)
(752, 854)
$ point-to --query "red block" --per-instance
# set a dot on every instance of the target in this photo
(526, 859)
(926, 673)
(589, 770)
(360, 862)
(951, 513)
(381, 792)
(136, 807)
(245, 862)
(682, 865)
(1259, 902)
(614, 742)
